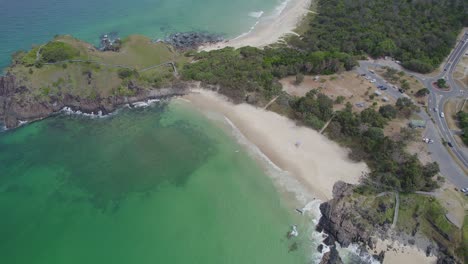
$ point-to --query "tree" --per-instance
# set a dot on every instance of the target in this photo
(56, 51)
(422, 92)
(388, 111)
(441, 83)
(125, 73)
(339, 99)
(299, 78)
(373, 118)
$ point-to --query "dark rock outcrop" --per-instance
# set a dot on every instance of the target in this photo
(337, 218)
(331, 257)
(15, 108)
(192, 40)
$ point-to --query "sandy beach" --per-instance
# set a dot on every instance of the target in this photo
(269, 28)
(317, 162)
(399, 254)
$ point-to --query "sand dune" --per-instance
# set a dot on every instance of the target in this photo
(317, 162)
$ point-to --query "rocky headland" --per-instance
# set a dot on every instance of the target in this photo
(349, 218)
(16, 109)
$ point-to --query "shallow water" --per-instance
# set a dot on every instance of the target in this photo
(154, 185)
(27, 22)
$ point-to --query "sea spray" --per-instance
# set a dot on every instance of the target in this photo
(256, 14)
(290, 184)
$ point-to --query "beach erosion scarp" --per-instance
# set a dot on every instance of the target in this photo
(315, 161)
(270, 28)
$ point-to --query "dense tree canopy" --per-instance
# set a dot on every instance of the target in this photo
(420, 33)
(249, 69)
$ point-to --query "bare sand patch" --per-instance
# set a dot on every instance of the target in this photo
(353, 87)
(269, 29)
(397, 253)
(316, 161)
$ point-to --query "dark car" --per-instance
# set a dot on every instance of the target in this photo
(401, 90)
(383, 88)
(450, 144)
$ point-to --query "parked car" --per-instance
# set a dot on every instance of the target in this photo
(450, 144)
(373, 81)
(464, 190)
(442, 114)
(401, 90)
(383, 88)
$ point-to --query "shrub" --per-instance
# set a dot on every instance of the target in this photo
(125, 73)
(422, 92)
(56, 51)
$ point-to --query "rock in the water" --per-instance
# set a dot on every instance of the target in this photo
(320, 248)
(331, 257)
(380, 257)
(192, 40)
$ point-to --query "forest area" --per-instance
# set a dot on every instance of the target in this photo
(419, 33)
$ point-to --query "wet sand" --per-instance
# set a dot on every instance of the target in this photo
(269, 29)
(314, 160)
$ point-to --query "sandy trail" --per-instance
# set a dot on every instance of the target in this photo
(269, 29)
(317, 162)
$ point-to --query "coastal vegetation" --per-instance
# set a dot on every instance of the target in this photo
(67, 66)
(247, 70)
(463, 124)
(420, 34)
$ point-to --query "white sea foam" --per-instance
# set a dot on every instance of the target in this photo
(248, 32)
(280, 8)
(67, 110)
(144, 104)
(257, 14)
(354, 252)
(290, 184)
(311, 205)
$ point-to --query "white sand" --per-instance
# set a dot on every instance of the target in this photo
(400, 254)
(317, 163)
(269, 29)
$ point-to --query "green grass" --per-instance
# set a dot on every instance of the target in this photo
(463, 249)
(97, 78)
(30, 57)
(426, 214)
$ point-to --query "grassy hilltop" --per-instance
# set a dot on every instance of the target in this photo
(67, 65)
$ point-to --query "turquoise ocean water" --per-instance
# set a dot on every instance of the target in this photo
(162, 184)
(27, 22)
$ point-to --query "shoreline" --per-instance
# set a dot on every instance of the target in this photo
(308, 172)
(276, 136)
(268, 29)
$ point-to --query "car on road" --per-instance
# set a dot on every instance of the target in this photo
(464, 190)
(401, 90)
(442, 114)
(373, 81)
(450, 144)
(435, 109)
(383, 88)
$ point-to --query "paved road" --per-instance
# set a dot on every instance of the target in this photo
(438, 130)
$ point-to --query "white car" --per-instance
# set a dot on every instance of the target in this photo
(373, 81)
(442, 114)
(464, 190)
